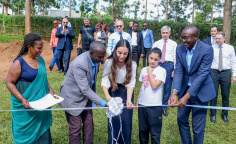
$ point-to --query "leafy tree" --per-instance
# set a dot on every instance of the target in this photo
(177, 9)
(119, 9)
(17, 5)
(136, 6)
(44, 5)
(207, 8)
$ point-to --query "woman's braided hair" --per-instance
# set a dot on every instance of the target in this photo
(29, 39)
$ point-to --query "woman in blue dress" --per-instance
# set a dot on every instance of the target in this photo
(27, 81)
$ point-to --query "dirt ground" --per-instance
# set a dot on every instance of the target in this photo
(9, 51)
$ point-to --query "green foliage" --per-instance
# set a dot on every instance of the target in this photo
(8, 38)
(43, 25)
(120, 7)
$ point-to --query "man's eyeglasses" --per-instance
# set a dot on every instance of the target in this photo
(54, 23)
(118, 26)
(187, 37)
(65, 22)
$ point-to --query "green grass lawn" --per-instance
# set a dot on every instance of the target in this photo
(218, 133)
(9, 38)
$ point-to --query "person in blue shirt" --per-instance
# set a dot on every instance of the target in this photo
(193, 84)
(148, 41)
(116, 36)
(79, 91)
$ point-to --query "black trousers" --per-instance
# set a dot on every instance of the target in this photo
(145, 57)
(136, 54)
(150, 120)
(223, 79)
(85, 47)
(126, 119)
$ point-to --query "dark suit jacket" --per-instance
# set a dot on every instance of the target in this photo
(77, 87)
(61, 41)
(207, 41)
(129, 30)
(139, 41)
(199, 74)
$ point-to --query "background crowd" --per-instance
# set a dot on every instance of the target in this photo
(195, 69)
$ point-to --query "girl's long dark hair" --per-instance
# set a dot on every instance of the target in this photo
(29, 39)
(128, 62)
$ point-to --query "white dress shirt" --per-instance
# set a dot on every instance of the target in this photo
(213, 41)
(121, 74)
(170, 49)
(144, 33)
(228, 57)
(134, 39)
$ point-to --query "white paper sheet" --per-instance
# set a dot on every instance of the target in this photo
(46, 102)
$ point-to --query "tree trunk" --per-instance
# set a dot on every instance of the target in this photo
(6, 5)
(227, 20)
(82, 10)
(43, 7)
(3, 9)
(158, 12)
(193, 13)
(145, 11)
(27, 17)
(33, 5)
(98, 12)
(212, 6)
(113, 9)
(70, 10)
(18, 10)
(166, 10)
(176, 17)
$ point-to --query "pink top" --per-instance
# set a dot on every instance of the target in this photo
(54, 39)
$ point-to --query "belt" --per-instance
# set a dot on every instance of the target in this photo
(222, 70)
(166, 62)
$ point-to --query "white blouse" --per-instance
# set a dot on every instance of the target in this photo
(121, 75)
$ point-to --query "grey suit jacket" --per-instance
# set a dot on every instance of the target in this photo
(77, 87)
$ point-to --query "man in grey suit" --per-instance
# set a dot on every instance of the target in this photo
(79, 91)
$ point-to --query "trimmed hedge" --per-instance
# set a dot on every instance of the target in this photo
(15, 25)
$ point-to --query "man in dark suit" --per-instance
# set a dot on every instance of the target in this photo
(79, 91)
(131, 23)
(211, 40)
(193, 84)
(137, 42)
(65, 35)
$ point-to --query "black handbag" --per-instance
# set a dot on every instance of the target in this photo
(79, 51)
(89, 36)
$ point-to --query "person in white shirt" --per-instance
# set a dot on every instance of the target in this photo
(118, 80)
(150, 94)
(211, 40)
(168, 48)
(137, 42)
(116, 36)
(224, 60)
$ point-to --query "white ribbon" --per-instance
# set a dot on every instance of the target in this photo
(115, 109)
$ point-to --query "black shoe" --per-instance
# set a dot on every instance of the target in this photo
(213, 119)
(165, 113)
(225, 119)
(61, 70)
(50, 68)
